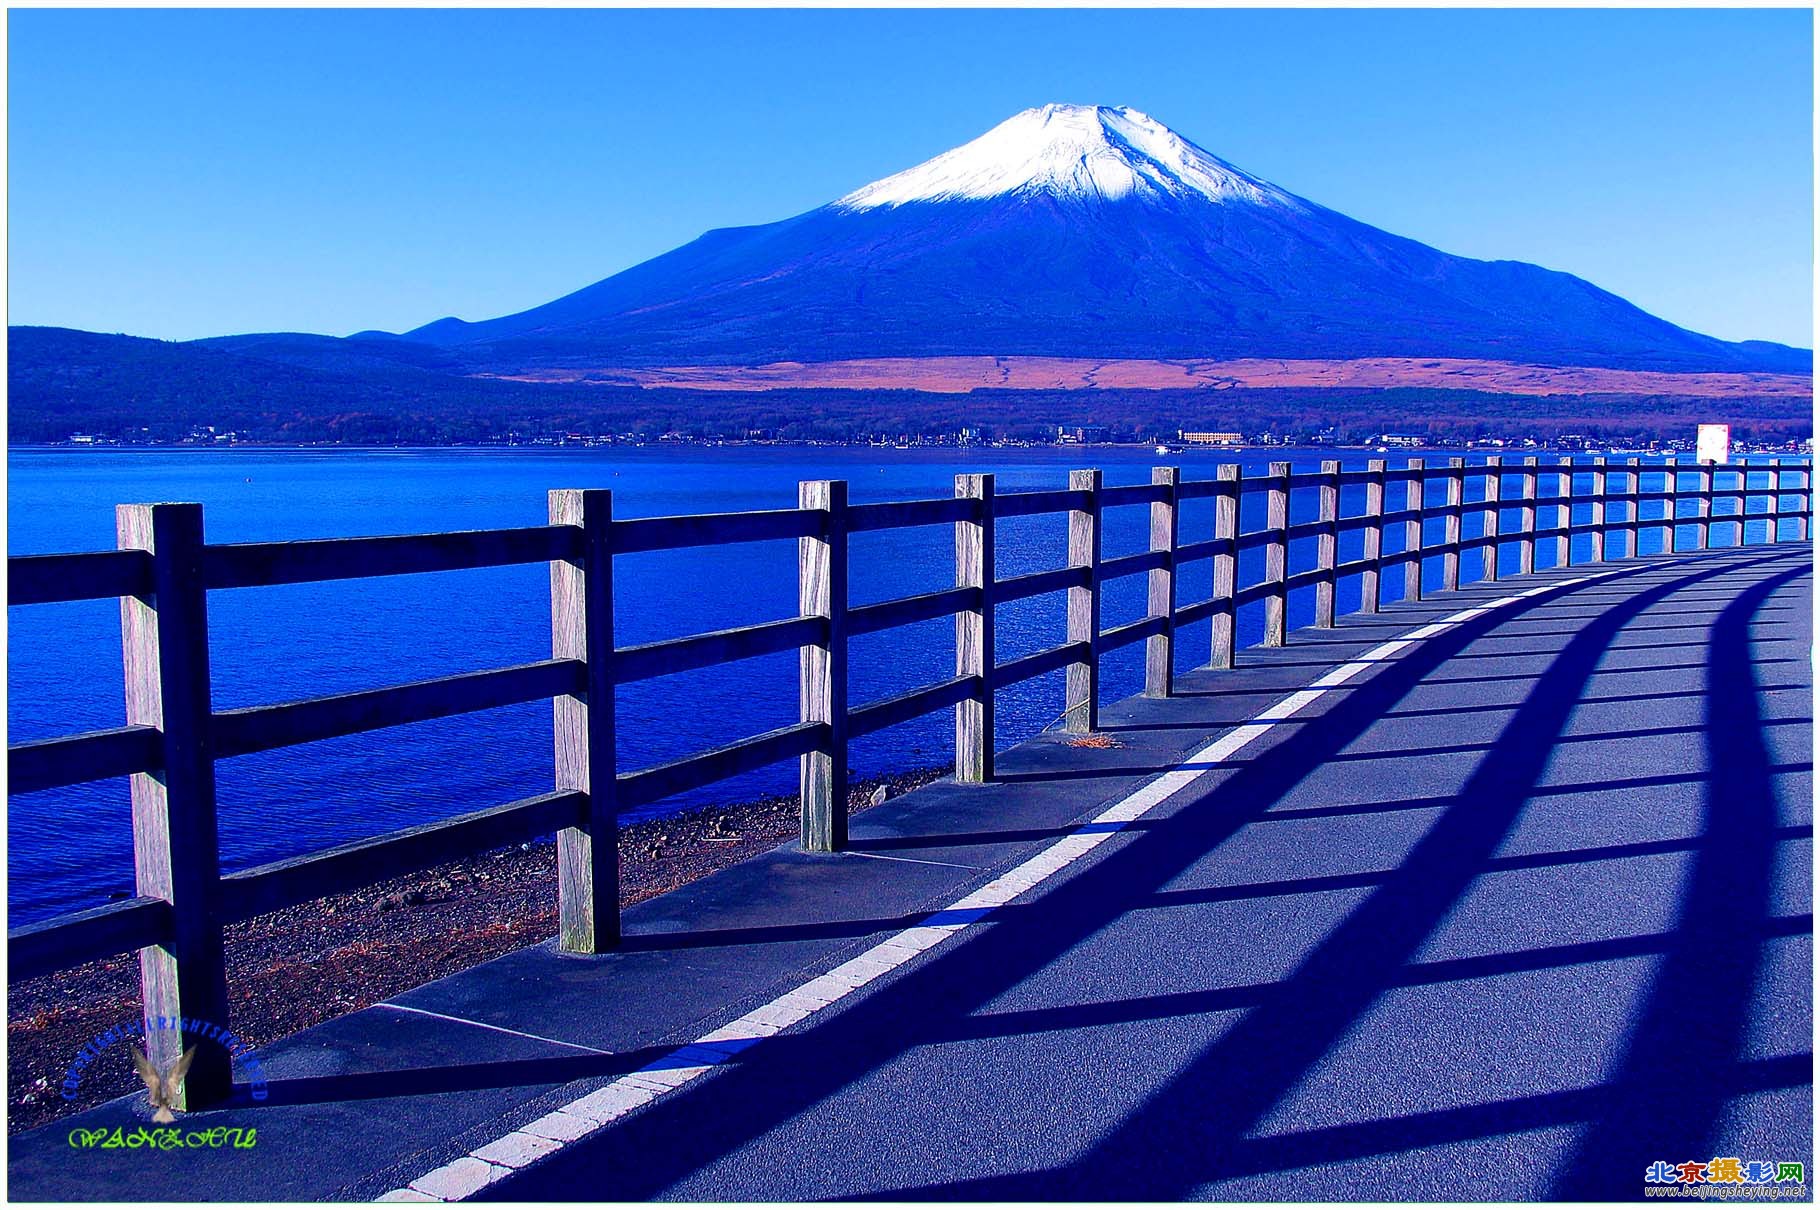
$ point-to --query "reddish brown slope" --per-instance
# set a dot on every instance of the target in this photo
(958, 374)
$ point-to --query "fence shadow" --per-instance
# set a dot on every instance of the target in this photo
(1669, 1092)
(1196, 1129)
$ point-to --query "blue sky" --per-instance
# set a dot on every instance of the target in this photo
(193, 173)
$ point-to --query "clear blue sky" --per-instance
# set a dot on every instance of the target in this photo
(192, 173)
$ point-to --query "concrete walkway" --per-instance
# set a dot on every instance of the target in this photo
(1512, 910)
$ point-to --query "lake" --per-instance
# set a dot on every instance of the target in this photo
(71, 848)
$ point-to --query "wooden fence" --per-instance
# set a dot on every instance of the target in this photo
(163, 571)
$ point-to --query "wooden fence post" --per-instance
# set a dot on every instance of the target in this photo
(1775, 499)
(1708, 482)
(581, 628)
(1633, 507)
(1744, 494)
(1276, 556)
(1804, 499)
(1671, 483)
(1743, 503)
(822, 592)
(1526, 519)
(1225, 563)
(1618, 517)
(1083, 688)
(1564, 515)
(1731, 495)
(1415, 499)
(1327, 544)
(1456, 500)
(1598, 510)
(1493, 524)
(1371, 579)
(176, 846)
(1159, 649)
(975, 562)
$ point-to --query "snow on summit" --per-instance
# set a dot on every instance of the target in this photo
(1072, 151)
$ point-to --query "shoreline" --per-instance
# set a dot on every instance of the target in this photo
(295, 968)
(1470, 446)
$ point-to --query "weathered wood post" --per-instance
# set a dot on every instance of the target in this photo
(1598, 510)
(1327, 544)
(581, 628)
(176, 846)
(1415, 500)
(1225, 563)
(1526, 519)
(1083, 685)
(1744, 513)
(1564, 515)
(1618, 517)
(1804, 500)
(1450, 542)
(1276, 556)
(1371, 579)
(1708, 482)
(1493, 523)
(1671, 483)
(1633, 507)
(1743, 502)
(821, 578)
(1159, 649)
(1729, 495)
(1775, 499)
(975, 561)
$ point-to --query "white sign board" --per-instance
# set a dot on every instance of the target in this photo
(1714, 443)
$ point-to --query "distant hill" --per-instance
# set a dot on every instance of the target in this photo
(64, 382)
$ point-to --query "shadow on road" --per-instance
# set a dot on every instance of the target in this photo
(1683, 1052)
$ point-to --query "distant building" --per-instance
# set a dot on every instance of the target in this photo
(1713, 443)
(1210, 438)
(1081, 434)
(1401, 441)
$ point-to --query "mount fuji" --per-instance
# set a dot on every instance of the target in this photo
(1073, 263)
(1077, 232)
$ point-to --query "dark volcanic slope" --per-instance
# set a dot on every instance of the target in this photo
(1046, 277)
(1075, 232)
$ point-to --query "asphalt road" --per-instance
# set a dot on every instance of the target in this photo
(1516, 905)
(1512, 915)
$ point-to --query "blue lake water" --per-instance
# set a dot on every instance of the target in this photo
(71, 848)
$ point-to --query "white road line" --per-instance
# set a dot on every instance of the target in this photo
(594, 1111)
(498, 1029)
(953, 865)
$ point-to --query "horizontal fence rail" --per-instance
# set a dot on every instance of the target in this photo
(163, 571)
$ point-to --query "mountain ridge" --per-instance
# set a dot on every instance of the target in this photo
(1070, 231)
(1073, 264)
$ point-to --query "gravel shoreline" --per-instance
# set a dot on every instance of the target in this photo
(291, 969)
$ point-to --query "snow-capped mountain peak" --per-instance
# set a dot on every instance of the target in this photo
(1072, 151)
(1097, 233)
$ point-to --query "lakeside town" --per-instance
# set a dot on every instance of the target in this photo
(1094, 435)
